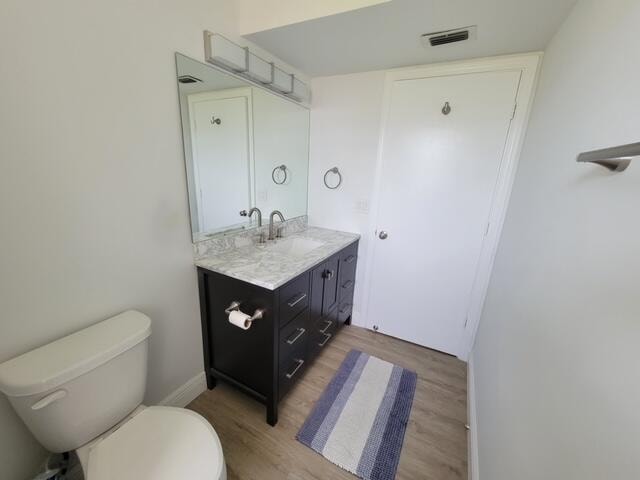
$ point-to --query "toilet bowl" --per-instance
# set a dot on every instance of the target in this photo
(162, 443)
(84, 393)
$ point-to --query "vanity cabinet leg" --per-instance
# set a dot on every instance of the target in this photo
(272, 412)
(211, 382)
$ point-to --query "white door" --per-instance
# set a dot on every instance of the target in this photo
(221, 157)
(438, 176)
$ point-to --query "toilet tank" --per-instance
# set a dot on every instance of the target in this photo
(70, 391)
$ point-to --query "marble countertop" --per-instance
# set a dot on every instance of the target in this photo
(267, 266)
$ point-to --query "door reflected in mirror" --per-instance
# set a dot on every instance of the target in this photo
(244, 147)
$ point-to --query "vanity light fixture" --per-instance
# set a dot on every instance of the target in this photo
(259, 69)
(224, 53)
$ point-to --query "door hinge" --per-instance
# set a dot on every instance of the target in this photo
(515, 107)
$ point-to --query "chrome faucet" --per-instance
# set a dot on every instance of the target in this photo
(255, 210)
(272, 235)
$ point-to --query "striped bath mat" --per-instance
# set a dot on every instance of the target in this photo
(360, 419)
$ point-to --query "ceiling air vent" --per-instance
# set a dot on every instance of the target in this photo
(435, 39)
(188, 79)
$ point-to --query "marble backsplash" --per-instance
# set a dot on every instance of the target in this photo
(242, 238)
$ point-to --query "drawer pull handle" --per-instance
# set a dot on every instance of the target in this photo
(328, 335)
(295, 370)
(350, 258)
(293, 340)
(345, 308)
(328, 274)
(293, 303)
(324, 330)
(348, 284)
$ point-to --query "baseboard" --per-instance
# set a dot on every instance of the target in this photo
(186, 393)
(474, 474)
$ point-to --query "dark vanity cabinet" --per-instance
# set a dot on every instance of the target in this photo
(299, 319)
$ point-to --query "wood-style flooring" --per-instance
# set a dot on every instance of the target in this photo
(435, 444)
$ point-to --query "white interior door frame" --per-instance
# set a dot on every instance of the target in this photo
(528, 64)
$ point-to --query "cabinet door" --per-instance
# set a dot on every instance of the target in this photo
(317, 284)
(330, 291)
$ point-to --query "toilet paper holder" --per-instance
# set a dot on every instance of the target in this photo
(235, 305)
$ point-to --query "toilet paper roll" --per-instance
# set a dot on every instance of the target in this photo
(240, 320)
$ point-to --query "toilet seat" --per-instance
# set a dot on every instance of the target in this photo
(159, 443)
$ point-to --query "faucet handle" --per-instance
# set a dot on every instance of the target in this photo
(261, 238)
(243, 213)
(279, 231)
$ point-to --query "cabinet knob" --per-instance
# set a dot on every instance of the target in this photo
(383, 235)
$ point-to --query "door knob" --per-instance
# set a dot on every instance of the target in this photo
(383, 235)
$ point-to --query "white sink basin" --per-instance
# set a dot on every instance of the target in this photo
(295, 247)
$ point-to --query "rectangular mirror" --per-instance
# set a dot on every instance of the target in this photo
(244, 147)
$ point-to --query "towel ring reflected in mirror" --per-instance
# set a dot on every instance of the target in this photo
(335, 171)
(282, 168)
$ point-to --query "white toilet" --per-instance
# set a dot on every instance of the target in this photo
(84, 393)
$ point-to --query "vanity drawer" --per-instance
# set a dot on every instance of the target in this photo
(346, 300)
(294, 298)
(348, 262)
(322, 332)
(294, 334)
(346, 289)
(292, 369)
(344, 309)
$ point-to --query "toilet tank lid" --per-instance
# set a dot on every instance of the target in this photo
(69, 357)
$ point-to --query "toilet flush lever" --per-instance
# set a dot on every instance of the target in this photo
(49, 399)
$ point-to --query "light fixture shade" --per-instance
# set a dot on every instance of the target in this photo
(301, 91)
(222, 51)
(258, 69)
(230, 56)
(282, 81)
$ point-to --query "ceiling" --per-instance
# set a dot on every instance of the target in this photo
(388, 35)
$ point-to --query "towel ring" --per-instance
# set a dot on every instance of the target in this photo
(283, 168)
(337, 172)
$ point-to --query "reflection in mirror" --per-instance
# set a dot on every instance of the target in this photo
(244, 146)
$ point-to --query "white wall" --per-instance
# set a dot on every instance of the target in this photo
(556, 364)
(345, 128)
(93, 201)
